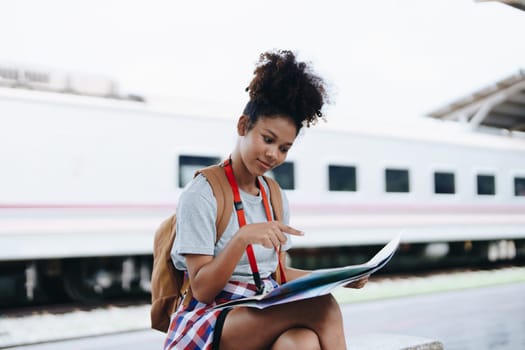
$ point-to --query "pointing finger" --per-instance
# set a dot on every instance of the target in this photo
(291, 230)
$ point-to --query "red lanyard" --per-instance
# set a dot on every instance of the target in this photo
(242, 221)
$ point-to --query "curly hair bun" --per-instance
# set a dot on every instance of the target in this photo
(284, 86)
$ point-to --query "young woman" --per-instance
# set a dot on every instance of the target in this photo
(284, 96)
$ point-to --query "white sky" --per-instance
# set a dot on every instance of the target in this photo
(385, 59)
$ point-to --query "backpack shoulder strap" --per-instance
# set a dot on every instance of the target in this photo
(222, 193)
(275, 198)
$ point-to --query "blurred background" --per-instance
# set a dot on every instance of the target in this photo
(108, 107)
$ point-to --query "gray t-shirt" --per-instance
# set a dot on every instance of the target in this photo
(196, 232)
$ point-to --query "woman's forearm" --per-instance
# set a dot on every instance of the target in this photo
(208, 279)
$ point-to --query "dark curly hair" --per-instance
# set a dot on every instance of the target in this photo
(284, 86)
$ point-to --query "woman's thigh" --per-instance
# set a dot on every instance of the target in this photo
(251, 328)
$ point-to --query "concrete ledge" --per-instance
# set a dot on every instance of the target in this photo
(385, 341)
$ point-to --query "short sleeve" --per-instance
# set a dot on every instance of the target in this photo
(196, 232)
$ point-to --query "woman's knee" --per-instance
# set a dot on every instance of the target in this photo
(328, 307)
(297, 338)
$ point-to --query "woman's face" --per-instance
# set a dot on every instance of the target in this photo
(266, 145)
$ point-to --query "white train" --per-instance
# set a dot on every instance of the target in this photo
(85, 181)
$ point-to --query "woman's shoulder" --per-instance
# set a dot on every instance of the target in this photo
(198, 188)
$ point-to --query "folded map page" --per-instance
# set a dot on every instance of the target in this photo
(319, 282)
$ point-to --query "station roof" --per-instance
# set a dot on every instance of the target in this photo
(519, 4)
(500, 105)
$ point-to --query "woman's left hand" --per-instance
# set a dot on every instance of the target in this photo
(358, 284)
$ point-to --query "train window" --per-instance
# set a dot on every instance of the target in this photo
(486, 184)
(519, 186)
(342, 178)
(444, 182)
(189, 164)
(397, 180)
(284, 174)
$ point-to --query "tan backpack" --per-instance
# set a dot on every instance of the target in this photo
(168, 285)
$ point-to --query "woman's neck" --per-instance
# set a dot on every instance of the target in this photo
(245, 180)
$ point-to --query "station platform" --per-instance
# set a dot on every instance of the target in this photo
(455, 311)
(149, 339)
(389, 341)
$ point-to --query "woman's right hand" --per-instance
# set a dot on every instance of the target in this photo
(268, 234)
